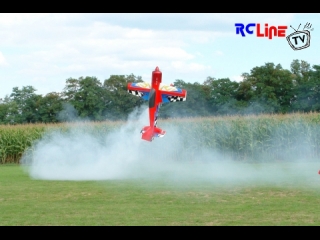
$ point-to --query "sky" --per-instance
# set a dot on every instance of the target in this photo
(44, 50)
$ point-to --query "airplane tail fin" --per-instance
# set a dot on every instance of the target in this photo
(149, 134)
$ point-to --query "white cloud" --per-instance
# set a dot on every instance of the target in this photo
(167, 53)
(237, 78)
(189, 67)
(191, 21)
(58, 46)
(3, 61)
(13, 19)
(95, 47)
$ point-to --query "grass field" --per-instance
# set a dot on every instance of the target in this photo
(254, 170)
(143, 202)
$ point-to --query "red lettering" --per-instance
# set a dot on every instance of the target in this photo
(266, 29)
(258, 31)
(281, 31)
(271, 32)
(274, 31)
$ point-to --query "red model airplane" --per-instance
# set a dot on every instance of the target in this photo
(156, 95)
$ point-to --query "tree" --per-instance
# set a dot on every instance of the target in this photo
(221, 95)
(121, 102)
(307, 90)
(26, 105)
(267, 88)
(87, 96)
(4, 107)
(8, 111)
(300, 71)
(49, 107)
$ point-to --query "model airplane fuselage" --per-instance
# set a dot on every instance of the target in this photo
(155, 94)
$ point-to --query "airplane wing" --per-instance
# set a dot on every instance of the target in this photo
(168, 93)
(140, 89)
(173, 94)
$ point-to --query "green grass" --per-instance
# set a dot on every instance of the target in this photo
(24, 201)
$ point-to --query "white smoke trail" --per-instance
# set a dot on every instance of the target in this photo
(79, 155)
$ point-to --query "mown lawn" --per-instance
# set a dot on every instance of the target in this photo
(24, 201)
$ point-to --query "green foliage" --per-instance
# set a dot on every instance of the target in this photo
(266, 89)
(120, 102)
(24, 107)
(270, 87)
(307, 89)
(15, 140)
(300, 70)
(49, 107)
(221, 95)
(89, 99)
(249, 138)
(87, 96)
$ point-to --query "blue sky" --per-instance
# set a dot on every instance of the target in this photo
(44, 50)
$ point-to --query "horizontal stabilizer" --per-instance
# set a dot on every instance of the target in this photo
(149, 134)
(159, 132)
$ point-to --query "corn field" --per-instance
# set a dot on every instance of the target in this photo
(258, 138)
(254, 137)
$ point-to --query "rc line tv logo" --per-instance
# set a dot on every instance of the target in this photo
(300, 39)
(297, 40)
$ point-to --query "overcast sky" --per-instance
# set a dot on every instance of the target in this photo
(44, 50)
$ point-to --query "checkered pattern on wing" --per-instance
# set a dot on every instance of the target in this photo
(136, 93)
(176, 98)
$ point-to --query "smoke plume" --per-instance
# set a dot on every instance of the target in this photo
(80, 155)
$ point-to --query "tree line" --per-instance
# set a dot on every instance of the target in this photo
(266, 89)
